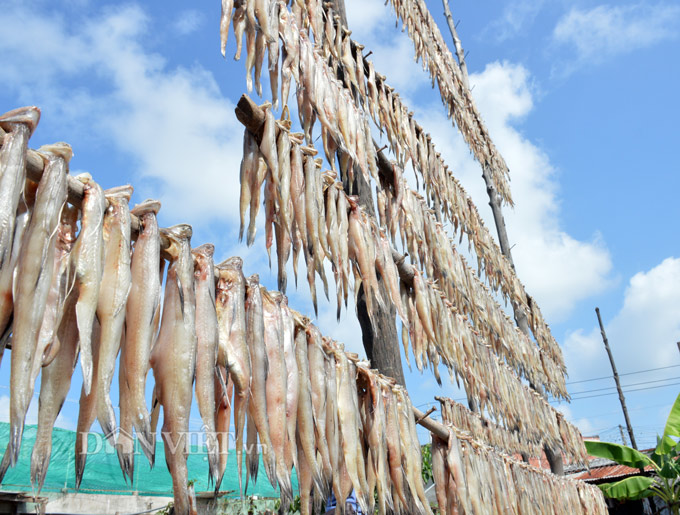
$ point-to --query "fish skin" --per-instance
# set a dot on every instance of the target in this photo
(268, 143)
(19, 124)
(439, 474)
(332, 431)
(343, 243)
(249, 166)
(6, 277)
(233, 352)
(257, 407)
(87, 411)
(255, 194)
(297, 194)
(292, 383)
(260, 47)
(318, 383)
(305, 416)
(262, 12)
(223, 396)
(348, 423)
(276, 388)
(141, 319)
(273, 53)
(88, 258)
(305, 478)
(206, 349)
(113, 294)
(173, 360)
(225, 21)
(393, 448)
(55, 384)
(61, 282)
(32, 280)
(239, 22)
(251, 45)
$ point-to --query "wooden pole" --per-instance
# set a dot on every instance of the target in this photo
(379, 337)
(623, 435)
(554, 458)
(456, 43)
(616, 380)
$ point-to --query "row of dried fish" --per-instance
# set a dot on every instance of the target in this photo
(291, 200)
(437, 59)
(343, 125)
(509, 442)
(319, 94)
(321, 221)
(447, 197)
(471, 477)
(428, 244)
(312, 405)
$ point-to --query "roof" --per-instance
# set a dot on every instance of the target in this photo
(614, 471)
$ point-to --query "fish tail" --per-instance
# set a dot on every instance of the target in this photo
(127, 463)
(40, 460)
(107, 418)
(81, 457)
(4, 465)
(14, 445)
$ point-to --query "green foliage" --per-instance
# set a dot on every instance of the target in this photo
(665, 481)
(426, 471)
(631, 488)
(621, 454)
(672, 429)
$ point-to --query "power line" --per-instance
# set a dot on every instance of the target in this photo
(626, 374)
(627, 391)
(627, 385)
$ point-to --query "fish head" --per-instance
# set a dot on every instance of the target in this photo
(29, 116)
(119, 193)
(59, 149)
(176, 236)
(146, 207)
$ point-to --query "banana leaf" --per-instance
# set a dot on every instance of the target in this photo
(672, 429)
(619, 453)
(631, 488)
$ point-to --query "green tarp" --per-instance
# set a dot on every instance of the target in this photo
(103, 474)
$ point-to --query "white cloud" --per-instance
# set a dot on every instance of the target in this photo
(188, 21)
(604, 31)
(642, 334)
(373, 25)
(171, 122)
(515, 18)
(557, 269)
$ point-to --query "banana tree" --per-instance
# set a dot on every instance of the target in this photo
(665, 479)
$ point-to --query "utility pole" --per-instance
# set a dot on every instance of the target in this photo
(616, 380)
(623, 435)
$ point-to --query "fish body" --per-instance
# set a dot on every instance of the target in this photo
(141, 320)
(173, 360)
(47, 344)
(276, 388)
(33, 277)
(225, 20)
(223, 396)
(19, 124)
(257, 407)
(88, 258)
(233, 352)
(206, 349)
(113, 294)
(292, 382)
(55, 383)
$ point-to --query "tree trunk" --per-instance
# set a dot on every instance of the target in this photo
(380, 337)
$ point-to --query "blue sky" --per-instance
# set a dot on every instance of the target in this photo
(580, 98)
